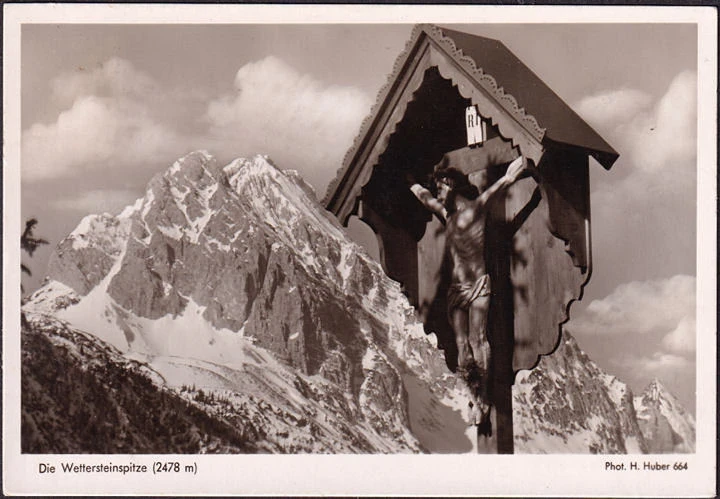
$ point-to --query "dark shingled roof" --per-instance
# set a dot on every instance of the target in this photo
(560, 122)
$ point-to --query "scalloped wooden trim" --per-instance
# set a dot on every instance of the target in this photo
(488, 82)
(578, 296)
(405, 95)
(489, 97)
(509, 128)
(370, 119)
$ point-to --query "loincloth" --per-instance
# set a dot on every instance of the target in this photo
(461, 295)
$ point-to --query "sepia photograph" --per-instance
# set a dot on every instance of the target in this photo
(399, 240)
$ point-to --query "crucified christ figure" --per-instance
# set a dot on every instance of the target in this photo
(461, 207)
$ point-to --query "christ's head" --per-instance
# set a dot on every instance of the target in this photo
(450, 183)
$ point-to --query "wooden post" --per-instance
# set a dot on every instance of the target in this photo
(500, 321)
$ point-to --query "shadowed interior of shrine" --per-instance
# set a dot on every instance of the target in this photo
(411, 241)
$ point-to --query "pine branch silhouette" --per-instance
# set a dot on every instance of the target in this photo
(29, 243)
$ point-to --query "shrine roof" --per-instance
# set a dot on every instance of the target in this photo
(561, 123)
(494, 68)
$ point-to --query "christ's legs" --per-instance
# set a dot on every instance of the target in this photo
(459, 319)
(480, 347)
(466, 366)
(477, 332)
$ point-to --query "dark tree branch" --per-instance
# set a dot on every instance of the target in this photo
(29, 243)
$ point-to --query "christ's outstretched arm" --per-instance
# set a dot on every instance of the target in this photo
(427, 199)
(515, 169)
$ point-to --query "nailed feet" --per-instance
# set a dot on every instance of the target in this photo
(476, 380)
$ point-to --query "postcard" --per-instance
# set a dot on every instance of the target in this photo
(359, 250)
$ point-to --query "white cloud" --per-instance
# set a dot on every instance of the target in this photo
(682, 339)
(613, 106)
(639, 308)
(299, 121)
(674, 141)
(116, 116)
(111, 122)
(663, 363)
(95, 133)
(651, 327)
(643, 210)
(657, 142)
(115, 77)
(94, 201)
(654, 137)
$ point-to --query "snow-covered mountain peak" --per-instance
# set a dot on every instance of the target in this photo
(191, 165)
(103, 230)
(215, 262)
(261, 178)
(573, 406)
(655, 390)
(258, 165)
(665, 423)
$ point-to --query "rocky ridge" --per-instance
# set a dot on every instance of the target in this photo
(569, 402)
(216, 262)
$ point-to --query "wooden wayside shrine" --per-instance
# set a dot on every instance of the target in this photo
(537, 235)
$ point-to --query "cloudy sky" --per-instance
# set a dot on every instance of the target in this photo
(105, 107)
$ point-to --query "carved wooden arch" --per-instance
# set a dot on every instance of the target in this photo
(530, 145)
(520, 129)
(427, 48)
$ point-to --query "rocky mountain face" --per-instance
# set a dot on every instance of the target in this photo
(234, 280)
(231, 290)
(570, 403)
(665, 424)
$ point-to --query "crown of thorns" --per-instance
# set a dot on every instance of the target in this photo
(458, 182)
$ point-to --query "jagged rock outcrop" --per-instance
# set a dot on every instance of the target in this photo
(665, 424)
(86, 256)
(570, 405)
